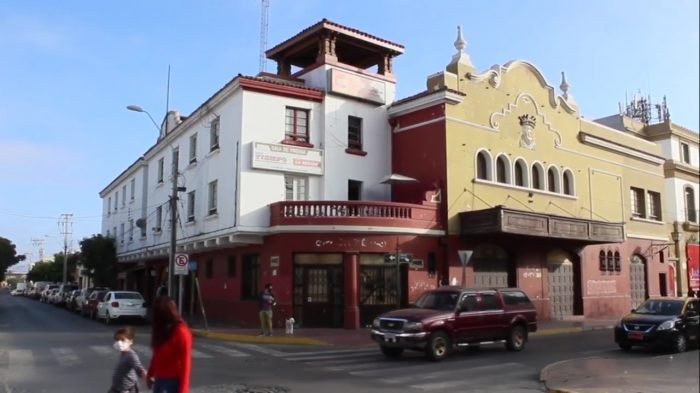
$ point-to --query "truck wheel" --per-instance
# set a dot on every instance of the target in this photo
(439, 346)
(517, 337)
(392, 353)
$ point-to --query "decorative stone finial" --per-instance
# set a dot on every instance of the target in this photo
(564, 86)
(460, 43)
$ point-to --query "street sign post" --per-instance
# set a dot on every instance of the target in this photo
(464, 257)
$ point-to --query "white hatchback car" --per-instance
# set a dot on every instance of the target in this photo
(119, 304)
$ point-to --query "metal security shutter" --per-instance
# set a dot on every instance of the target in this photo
(491, 273)
(561, 289)
(638, 282)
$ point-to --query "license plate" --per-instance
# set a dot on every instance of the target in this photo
(390, 338)
(635, 335)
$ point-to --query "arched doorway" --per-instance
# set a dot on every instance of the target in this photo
(639, 289)
(491, 267)
(561, 286)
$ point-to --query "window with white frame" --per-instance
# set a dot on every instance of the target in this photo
(537, 177)
(133, 189)
(355, 132)
(109, 206)
(131, 229)
(213, 190)
(296, 125)
(296, 188)
(193, 148)
(638, 202)
(124, 195)
(116, 201)
(521, 173)
(685, 152)
(108, 233)
(114, 233)
(502, 170)
(568, 182)
(214, 127)
(159, 219)
(121, 232)
(654, 205)
(176, 159)
(190, 206)
(483, 166)
(161, 166)
(553, 179)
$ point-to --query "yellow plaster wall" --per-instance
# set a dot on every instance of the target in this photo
(488, 118)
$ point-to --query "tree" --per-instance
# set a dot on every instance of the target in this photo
(99, 259)
(53, 271)
(8, 256)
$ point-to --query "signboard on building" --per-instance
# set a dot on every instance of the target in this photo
(285, 158)
(693, 261)
(358, 86)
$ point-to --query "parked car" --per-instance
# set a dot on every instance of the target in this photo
(94, 300)
(45, 294)
(119, 304)
(670, 323)
(81, 298)
(447, 317)
(70, 299)
(63, 292)
(17, 292)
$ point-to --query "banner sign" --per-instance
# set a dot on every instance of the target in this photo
(692, 253)
(285, 158)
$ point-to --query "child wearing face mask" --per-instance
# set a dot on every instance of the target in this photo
(129, 369)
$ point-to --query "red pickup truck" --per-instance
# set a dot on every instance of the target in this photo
(447, 317)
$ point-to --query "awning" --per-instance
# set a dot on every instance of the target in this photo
(395, 178)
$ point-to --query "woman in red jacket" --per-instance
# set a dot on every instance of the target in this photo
(171, 341)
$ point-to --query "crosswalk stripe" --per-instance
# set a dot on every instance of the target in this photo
(200, 355)
(337, 352)
(361, 366)
(66, 357)
(20, 358)
(258, 348)
(103, 349)
(472, 379)
(320, 357)
(225, 350)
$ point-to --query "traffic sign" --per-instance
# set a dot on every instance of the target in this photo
(181, 264)
(465, 256)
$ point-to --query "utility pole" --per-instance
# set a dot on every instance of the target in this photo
(264, 16)
(65, 231)
(38, 242)
(173, 228)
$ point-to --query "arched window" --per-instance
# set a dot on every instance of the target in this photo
(521, 173)
(568, 182)
(537, 179)
(602, 266)
(552, 180)
(482, 166)
(610, 263)
(617, 262)
(691, 215)
(502, 170)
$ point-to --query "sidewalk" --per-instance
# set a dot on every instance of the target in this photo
(361, 337)
(649, 374)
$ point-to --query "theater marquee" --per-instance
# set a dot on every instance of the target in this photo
(285, 158)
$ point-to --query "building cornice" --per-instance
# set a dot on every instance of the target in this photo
(133, 168)
(439, 97)
(592, 140)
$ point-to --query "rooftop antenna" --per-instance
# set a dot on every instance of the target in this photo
(264, 12)
(167, 94)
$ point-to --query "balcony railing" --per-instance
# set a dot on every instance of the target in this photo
(361, 213)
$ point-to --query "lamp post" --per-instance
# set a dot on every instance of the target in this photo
(173, 209)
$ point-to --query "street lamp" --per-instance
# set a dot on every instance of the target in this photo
(136, 108)
(173, 210)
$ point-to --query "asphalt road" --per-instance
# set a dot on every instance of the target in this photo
(47, 349)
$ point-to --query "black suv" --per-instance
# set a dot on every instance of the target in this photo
(660, 322)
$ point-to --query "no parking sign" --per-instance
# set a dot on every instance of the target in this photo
(181, 264)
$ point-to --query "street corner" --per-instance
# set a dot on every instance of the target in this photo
(553, 375)
(247, 338)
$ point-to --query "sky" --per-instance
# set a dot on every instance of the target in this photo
(68, 69)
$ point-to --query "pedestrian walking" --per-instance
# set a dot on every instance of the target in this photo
(129, 369)
(267, 301)
(171, 341)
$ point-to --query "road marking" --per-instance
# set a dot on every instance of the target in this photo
(332, 356)
(66, 357)
(351, 367)
(143, 350)
(470, 376)
(200, 355)
(226, 351)
(337, 352)
(103, 349)
(20, 358)
(258, 348)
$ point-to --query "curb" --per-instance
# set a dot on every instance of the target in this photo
(544, 374)
(245, 338)
(568, 330)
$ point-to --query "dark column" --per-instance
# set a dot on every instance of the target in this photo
(351, 263)
(284, 68)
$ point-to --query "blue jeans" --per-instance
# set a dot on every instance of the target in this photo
(166, 385)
